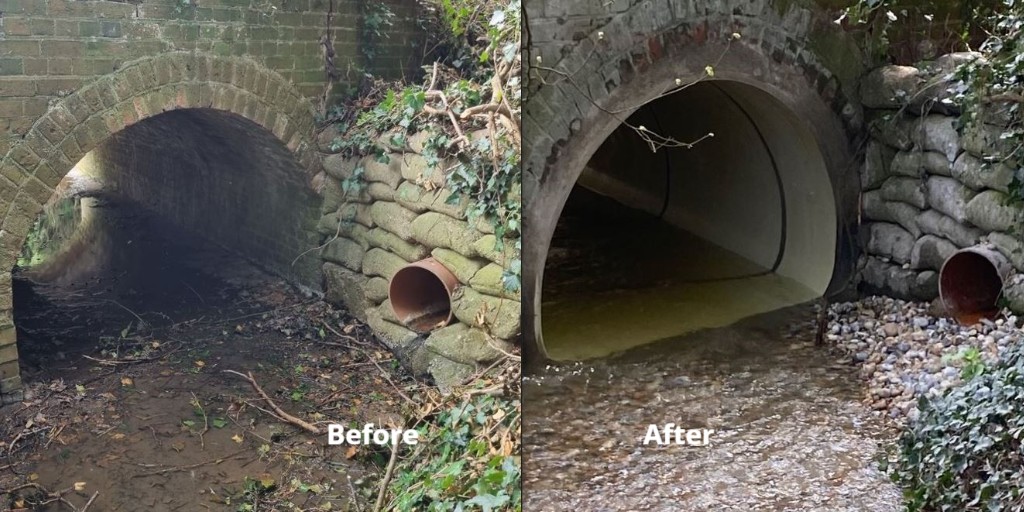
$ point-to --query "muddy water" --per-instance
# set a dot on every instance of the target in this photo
(614, 269)
(789, 431)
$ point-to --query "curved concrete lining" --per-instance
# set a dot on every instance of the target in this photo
(748, 224)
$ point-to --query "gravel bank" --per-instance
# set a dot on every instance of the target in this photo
(904, 351)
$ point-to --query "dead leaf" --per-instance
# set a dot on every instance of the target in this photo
(119, 436)
(127, 381)
(33, 477)
(200, 363)
(351, 452)
(237, 438)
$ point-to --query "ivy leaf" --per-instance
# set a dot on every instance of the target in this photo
(416, 100)
(488, 502)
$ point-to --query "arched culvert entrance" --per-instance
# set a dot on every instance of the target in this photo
(174, 218)
(214, 148)
(651, 245)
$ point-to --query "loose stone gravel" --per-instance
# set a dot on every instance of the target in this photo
(905, 351)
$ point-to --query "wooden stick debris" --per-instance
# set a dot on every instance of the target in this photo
(280, 412)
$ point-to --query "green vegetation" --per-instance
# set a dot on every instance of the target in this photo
(964, 453)
(466, 459)
(986, 89)
(54, 227)
(469, 101)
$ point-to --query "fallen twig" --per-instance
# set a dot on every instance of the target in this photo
(142, 323)
(355, 495)
(206, 421)
(50, 496)
(280, 412)
(340, 335)
(190, 466)
(384, 374)
(89, 503)
(387, 476)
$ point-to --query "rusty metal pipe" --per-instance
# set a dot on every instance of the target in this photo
(421, 295)
(971, 281)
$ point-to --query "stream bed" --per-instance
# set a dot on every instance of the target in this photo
(790, 431)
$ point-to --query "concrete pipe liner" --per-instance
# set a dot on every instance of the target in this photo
(651, 245)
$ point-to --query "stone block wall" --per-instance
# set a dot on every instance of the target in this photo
(929, 186)
(400, 215)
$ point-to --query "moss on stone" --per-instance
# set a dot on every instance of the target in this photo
(381, 263)
(464, 268)
(438, 230)
(378, 237)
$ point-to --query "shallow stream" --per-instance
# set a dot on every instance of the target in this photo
(790, 431)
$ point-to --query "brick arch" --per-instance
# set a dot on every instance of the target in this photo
(84, 119)
(636, 55)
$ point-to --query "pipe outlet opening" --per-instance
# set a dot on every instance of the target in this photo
(421, 295)
(971, 282)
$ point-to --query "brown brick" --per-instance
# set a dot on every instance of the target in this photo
(45, 173)
(36, 106)
(206, 93)
(90, 94)
(270, 120)
(91, 133)
(58, 67)
(66, 28)
(259, 86)
(24, 157)
(19, 48)
(8, 190)
(91, 67)
(9, 370)
(37, 190)
(105, 88)
(162, 71)
(113, 121)
(62, 48)
(41, 26)
(51, 86)
(12, 66)
(77, 109)
(13, 173)
(122, 87)
(17, 86)
(70, 148)
(10, 246)
(12, 108)
(20, 218)
(17, 26)
(36, 66)
(9, 351)
(274, 86)
(238, 106)
(251, 104)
